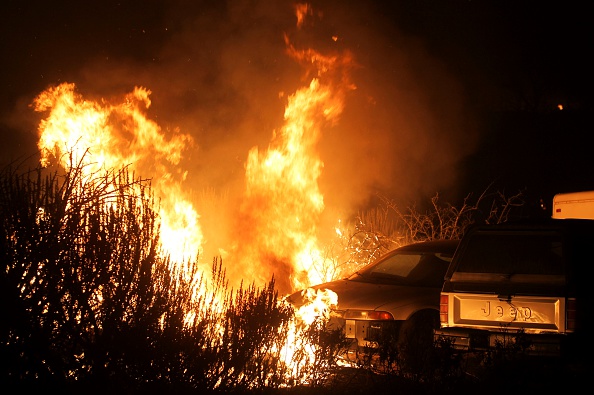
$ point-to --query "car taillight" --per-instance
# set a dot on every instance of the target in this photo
(443, 309)
(371, 315)
(570, 312)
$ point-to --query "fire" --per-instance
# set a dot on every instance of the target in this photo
(318, 304)
(302, 10)
(283, 203)
(282, 198)
(103, 135)
(277, 223)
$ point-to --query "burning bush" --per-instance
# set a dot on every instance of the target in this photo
(89, 298)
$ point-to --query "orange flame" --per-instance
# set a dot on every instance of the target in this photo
(283, 202)
(277, 230)
(317, 304)
(101, 136)
(302, 11)
(282, 198)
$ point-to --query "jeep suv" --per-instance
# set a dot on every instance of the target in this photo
(525, 284)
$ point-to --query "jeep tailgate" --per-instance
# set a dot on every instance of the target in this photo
(484, 311)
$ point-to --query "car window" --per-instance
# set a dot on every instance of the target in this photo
(412, 268)
(538, 253)
(397, 265)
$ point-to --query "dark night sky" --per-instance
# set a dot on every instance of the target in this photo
(452, 95)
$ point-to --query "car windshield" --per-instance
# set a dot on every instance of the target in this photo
(425, 269)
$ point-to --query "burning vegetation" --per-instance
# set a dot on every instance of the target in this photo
(274, 230)
(94, 301)
(105, 275)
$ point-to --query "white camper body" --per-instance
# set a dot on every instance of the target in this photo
(574, 205)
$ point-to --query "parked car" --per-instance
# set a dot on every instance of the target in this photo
(396, 297)
(525, 285)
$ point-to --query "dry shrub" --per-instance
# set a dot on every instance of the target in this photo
(387, 226)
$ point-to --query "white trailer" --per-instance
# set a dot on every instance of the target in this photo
(574, 205)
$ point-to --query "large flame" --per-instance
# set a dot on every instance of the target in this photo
(101, 135)
(277, 224)
(282, 199)
(283, 203)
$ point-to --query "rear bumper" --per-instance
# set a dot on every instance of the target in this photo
(466, 339)
(371, 333)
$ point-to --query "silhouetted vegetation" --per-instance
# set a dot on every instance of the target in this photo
(91, 304)
(387, 226)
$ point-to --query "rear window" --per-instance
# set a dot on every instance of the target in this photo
(419, 269)
(514, 253)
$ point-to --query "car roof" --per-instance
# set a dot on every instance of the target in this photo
(530, 224)
(538, 223)
(431, 246)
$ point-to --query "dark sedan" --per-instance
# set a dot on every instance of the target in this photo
(395, 297)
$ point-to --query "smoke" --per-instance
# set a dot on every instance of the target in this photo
(219, 72)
